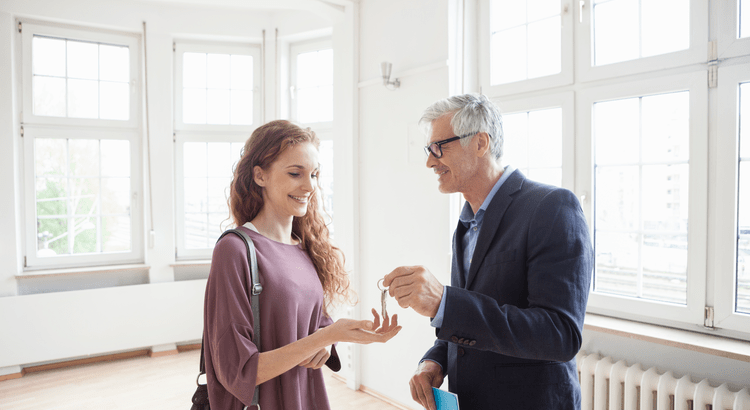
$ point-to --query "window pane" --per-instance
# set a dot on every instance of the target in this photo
(194, 70)
(544, 47)
(49, 96)
(218, 104)
(194, 106)
(630, 29)
(508, 56)
(48, 55)
(242, 107)
(218, 71)
(83, 60)
(74, 208)
(83, 99)
(208, 172)
(665, 25)
(314, 86)
(616, 36)
(533, 144)
(643, 201)
(114, 63)
(114, 101)
(525, 40)
(616, 131)
(242, 72)
(115, 158)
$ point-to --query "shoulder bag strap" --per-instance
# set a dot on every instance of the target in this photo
(252, 261)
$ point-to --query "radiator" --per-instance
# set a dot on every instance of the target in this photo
(616, 386)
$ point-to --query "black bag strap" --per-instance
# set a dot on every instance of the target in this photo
(254, 299)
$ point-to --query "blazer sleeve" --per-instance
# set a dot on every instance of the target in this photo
(558, 264)
(231, 356)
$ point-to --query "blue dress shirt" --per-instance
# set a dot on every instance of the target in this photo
(473, 223)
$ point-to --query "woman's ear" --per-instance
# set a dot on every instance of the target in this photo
(259, 176)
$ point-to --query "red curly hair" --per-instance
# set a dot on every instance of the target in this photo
(246, 200)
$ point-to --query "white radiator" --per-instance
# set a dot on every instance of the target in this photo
(617, 386)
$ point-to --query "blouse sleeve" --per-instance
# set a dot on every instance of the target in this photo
(228, 323)
(333, 362)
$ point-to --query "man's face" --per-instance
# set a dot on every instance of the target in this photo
(455, 167)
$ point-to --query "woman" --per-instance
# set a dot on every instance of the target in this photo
(273, 198)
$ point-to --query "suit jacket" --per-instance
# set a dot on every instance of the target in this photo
(510, 332)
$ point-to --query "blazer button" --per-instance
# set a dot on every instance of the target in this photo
(472, 343)
(454, 339)
(461, 351)
(461, 341)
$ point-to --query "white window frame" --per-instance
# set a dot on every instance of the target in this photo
(565, 101)
(564, 77)
(696, 84)
(296, 49)
(726, 192)
(207, 132)
(729, 44)
(79, 128)
(696, 53)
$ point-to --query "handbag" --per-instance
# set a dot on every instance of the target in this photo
(200, 397)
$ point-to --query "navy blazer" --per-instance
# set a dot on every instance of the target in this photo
(511, 331)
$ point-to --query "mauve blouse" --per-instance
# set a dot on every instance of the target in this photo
(291, 307)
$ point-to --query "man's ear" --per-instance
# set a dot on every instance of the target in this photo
(259, 176)
(482, 143)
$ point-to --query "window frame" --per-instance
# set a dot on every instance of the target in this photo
(296, 49)
(729, 44)
(696, 84)
(36, 126)
(726, 194)
(564, 77)
(696, 53)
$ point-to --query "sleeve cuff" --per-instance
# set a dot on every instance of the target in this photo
(437, 321)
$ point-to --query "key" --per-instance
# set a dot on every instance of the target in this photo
(383, 298)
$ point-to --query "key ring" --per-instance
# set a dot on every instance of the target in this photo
(380, 287)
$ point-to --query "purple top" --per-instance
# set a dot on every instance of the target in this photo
(291, 307)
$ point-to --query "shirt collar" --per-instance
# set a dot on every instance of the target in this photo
(467, 214)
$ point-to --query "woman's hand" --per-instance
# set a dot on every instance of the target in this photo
(363, 331)
(317, 360)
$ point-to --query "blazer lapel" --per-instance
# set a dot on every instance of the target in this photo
(458, 256)
(492, 217)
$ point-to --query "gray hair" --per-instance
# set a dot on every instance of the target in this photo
(472, 113)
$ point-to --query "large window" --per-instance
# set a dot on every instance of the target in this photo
(665, 195)
(218, 104)
(81, 142)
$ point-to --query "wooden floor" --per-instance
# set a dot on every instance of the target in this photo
(161, 383)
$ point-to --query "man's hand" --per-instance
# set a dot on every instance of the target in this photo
(415, 287)
(428, 375)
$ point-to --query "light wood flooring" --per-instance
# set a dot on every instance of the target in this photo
(161, 383)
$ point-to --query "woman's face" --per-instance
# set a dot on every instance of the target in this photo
(290, 182)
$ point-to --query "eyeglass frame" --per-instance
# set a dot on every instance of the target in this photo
(440, 143)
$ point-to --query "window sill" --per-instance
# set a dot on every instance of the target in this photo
(74, 271)
(682, 339)
(201, 262)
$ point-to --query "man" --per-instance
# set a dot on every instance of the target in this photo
(509, 326)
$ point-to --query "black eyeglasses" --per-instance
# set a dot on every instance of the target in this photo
(436, 147)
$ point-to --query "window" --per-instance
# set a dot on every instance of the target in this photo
(81, 142)
(312, 82)
(525, 45)
(217, 100)
(665, 195)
